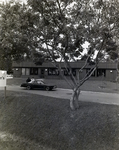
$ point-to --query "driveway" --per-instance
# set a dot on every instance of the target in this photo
(87, 96)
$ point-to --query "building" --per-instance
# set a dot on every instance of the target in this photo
(107, 70)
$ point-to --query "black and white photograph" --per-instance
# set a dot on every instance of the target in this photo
(59, 74)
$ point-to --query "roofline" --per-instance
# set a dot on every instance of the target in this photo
(78, 64)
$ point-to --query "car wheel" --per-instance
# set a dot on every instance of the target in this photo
(47, 88)
(28, 87)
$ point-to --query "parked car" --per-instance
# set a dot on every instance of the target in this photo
(38, 84)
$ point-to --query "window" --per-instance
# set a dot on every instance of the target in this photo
(53, 71)
(25, 71)
(67, 72)
(42, 71)
(101, 72)
(88, 71)
(33, 71)
(74, 72)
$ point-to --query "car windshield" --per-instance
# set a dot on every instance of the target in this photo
(40, 82)
(37, 81)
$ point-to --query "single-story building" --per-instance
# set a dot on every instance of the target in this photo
(106, 70)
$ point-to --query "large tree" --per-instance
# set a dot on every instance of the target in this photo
(55, 30)
(16, 32)
(65, 25)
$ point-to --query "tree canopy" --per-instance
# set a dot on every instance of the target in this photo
(59, 28)
(65, 25)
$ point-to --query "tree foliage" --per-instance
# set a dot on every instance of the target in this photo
(16, 28)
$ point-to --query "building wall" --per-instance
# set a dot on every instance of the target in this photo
(17, 72)
(111, 75)
(107, 71)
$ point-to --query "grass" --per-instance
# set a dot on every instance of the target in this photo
(90, 85)
(49, 124)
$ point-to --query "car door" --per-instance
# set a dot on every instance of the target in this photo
(35, 85)
(40, 85)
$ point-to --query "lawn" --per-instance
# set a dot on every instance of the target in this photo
(90, 85)
(45, 123)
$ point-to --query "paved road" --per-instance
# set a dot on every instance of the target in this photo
(98, 97)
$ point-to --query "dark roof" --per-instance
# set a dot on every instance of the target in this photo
(78, 64)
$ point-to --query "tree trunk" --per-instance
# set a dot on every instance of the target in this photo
(74, 101)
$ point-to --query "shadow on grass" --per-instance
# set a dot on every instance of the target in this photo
(50, 122)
